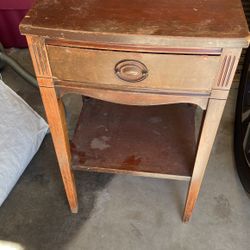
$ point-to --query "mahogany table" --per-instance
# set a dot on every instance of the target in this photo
(134, 59)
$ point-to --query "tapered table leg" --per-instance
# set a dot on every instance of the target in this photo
(209, 129)
(56, 118)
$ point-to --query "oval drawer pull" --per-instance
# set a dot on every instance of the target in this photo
(131, 70)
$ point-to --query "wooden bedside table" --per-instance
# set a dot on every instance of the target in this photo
(132, 57)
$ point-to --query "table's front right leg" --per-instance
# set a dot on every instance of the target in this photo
(222, 83)
(208, 134)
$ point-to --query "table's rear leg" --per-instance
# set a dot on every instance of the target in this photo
(56, 118)
(209, 129)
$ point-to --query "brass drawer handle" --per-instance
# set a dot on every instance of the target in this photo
(131, 70)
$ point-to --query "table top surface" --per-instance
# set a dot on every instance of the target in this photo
(167, 18)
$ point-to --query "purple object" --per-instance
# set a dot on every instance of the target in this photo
(11, 14)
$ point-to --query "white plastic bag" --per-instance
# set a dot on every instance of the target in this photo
(21, 133)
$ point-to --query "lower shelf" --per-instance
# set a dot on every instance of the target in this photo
(156, 141)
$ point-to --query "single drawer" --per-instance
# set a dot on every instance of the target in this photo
(144, 71)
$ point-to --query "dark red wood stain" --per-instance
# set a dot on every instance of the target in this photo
(132, 160)
(184, 18)
(120, 138)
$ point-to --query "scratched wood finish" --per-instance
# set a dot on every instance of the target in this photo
(84, 38)
(115, 138)
(135, 47)
(132, 97)
(55, 115)
(208, 133)
(165, 72)
(57, 123)
(141, 22)
(39, 56)
(222, 84)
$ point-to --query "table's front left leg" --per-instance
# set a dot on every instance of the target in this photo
(55, 115)
(57, 123)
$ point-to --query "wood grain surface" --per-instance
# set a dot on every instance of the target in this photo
(165, 71)
(207, 137)
(57, 124)
(139, 21)
(138, 98)
(154, 141)
(190, 49)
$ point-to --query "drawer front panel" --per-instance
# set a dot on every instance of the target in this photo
(134, 70)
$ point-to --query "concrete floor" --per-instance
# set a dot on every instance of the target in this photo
(123, 212)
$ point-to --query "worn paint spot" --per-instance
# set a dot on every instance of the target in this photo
(148, 30)
(156, 132)
(100, 143)
(105, 138)
(132, 160)
(222, 207)
(102, 127)
(75, 8)
(155, 119)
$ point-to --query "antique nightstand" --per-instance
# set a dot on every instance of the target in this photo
(134, 58)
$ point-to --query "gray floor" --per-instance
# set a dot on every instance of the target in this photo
(123, 212)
